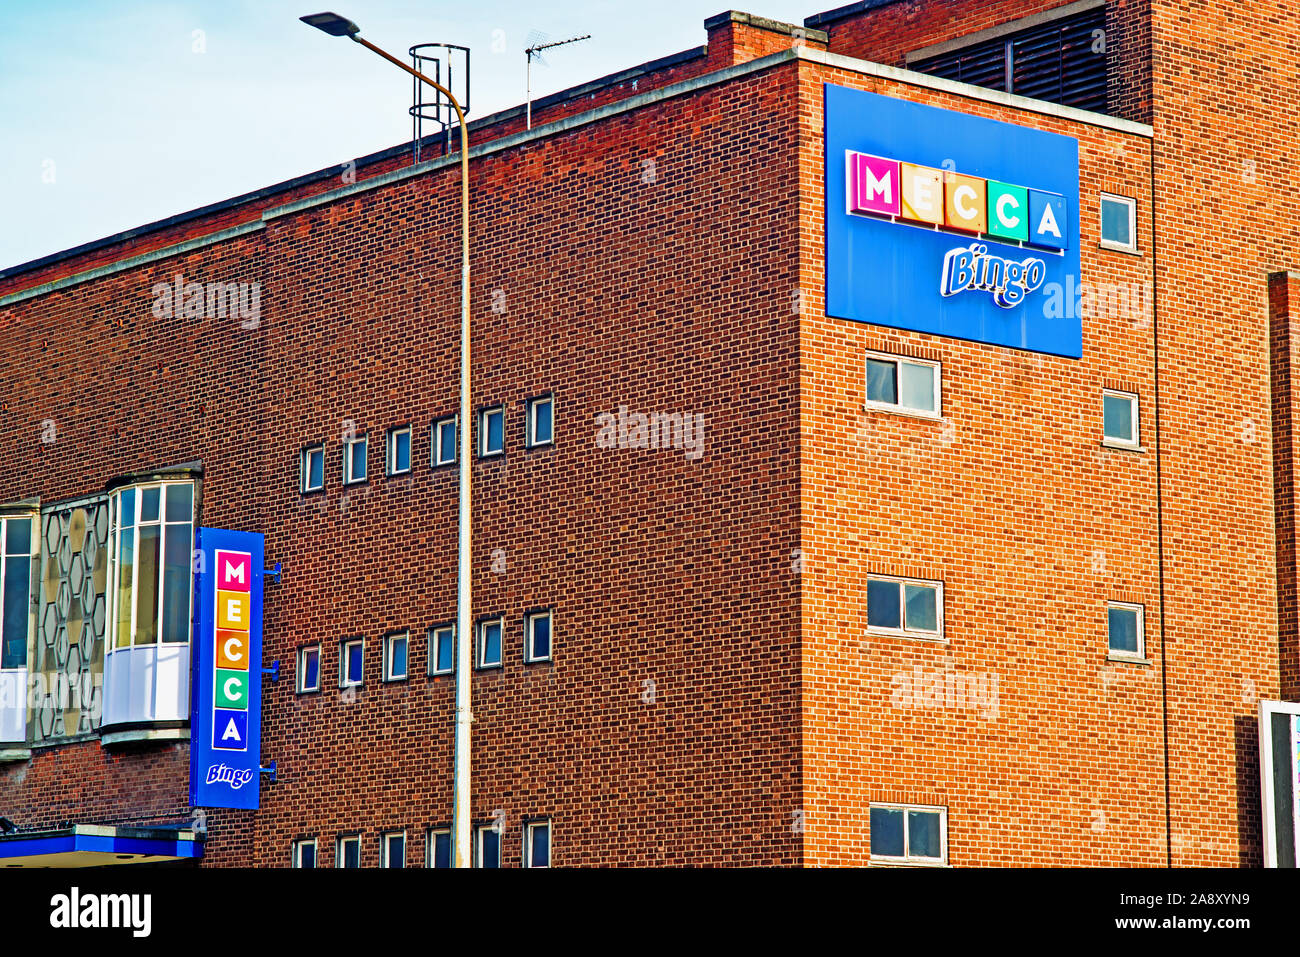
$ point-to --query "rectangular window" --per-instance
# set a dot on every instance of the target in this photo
(905, 606)
(443, 440)
(537, 636)
(16, 541)
(438, 852)
(351, 662)
(313, 468)
(349, 851)
(442, 649)
(1119, 418)
(489, 642)
(1061, 61)
(152, 543)
(392, 849)
(309, 669)
(304, 853)
(354, 460)
(399, 451)
(909, 834)
(903, 385)
(1125, 627)
(492, 431)
(396, 647)
(541, 421)
(1118, 227)
(487, 846)
(537, 844)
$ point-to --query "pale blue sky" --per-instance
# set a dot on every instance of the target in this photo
(111, 101)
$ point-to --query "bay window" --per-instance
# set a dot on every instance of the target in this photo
(17, 547)
(151, 542)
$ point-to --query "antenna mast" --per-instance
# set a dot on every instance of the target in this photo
(535, 51)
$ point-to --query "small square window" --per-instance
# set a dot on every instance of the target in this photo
(537, 844)
(313, 468)
(904, 606)
(537, 636)
(442, 649)
(909, 834)
(1118, 223)
(492, 431)
(354, 460)
(349, 851)
(1125, 628)
(399, 451)
(304, 853)
(487, 846)
(351, 662)
(309, 669)
(392, 849)
(541, 421)
(903, 384)
(396, 648)
(489, 642)
(438, 852)
(1119, 418)
(444, 441)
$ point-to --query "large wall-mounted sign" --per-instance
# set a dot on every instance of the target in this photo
(951, 224)
(226, 723)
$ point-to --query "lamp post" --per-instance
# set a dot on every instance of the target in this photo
(337, 26)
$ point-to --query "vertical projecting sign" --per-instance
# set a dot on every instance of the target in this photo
(951, 224)
(226, 723)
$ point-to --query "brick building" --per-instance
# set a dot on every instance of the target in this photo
(874, 591)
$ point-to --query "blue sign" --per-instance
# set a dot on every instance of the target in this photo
(226, 697)
(950, 224)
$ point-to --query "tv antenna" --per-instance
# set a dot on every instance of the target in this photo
(535, 50)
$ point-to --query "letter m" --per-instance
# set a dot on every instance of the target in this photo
(234, 573)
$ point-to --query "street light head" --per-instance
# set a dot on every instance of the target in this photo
(331, 23)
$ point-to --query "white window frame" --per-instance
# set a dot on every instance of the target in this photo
(483, 414)
(529, 827)
(304, 486)
(434, 642)
(531, 420)
(114, 564)
(389, 674)
(349, 459)
(33, 554)
(1134, 419)
(480, 643)
(435, 438)
(904, 631)
(907, 860)
(1141, 653)
(302, 671)
(392, 450)
(479, 831)
(1131, 203)
(898, 406)
(429, 857)
(343, 841)
(529, 619)
(344, 645)
(384, 850)
(297, 852)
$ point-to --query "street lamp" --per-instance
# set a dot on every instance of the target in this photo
(337, 26)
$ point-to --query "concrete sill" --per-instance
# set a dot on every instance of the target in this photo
(1121, 447)
(15, 754)
(1126, 660)
(111, 739)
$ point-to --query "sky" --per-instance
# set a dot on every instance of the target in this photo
(116, 113)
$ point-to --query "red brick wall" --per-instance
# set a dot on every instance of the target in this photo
(1283, 298)
(1032, 526)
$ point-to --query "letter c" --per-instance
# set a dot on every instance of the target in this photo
(232, 695)
(960, 200)
(1011, 222)
(233, 656)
